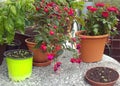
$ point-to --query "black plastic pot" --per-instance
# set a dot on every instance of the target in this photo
(2, 49)
(14, 45)
(29, 33)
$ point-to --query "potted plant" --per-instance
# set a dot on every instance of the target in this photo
(100, 23)
(12, 17)
(15, 44)
(102, 76)
(19, 64)
(51, 21)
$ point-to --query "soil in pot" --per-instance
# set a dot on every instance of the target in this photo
(102, 76)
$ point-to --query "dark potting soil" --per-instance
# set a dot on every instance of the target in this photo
(102, 74)
(18, 53)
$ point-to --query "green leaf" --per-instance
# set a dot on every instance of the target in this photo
(95, 30)
(59, 52)
(13, 10)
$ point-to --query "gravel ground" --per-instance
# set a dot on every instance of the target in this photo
(69, 75)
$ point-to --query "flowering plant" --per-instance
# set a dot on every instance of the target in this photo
(52, 23)
(101, 19)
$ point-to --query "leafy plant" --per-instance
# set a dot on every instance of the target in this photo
(51, 21)
(101, 19)
(12, 18)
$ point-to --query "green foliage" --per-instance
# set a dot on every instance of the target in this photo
(77, 4)
(12, 18)
(101, 20)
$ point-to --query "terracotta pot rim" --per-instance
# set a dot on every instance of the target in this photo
(100, 83)
(86, 36)
(26, 40)
(42, 64)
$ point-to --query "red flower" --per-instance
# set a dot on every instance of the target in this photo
(78, 60)
(43, 47)
(57, 66)
(112, 9)
(51, 4)
(66, 8)
(100, 4)
(50, 56)
(46, 9)
(37, 8)
(105, 14)
(71, 12)
(56, 8)
(73, 60)
(51, 32)
(54, 26)
(93, 9)
(78, 46)
(89, 7)
(74, 39)
(58, 47)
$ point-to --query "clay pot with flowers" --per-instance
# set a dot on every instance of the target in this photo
(100, 23)
(50, 20)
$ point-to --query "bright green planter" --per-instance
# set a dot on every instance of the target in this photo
(19, 68)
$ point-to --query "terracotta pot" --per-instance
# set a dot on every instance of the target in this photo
(102, 76)
(39, 57)
(92, 47)
(2, 49)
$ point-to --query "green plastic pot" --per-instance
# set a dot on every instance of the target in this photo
(19, 67)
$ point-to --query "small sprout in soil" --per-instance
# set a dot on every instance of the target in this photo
(100, 74)
(105, 80)
(102, 71)
(103, 77)
(19, 54)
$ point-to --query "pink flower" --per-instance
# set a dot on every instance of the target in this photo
(43, 47)
(56, 8)
(100, 4)
(50, 56)
(51, 32)
(78, 46)
(66, 8)
(57, 66)
(105, 14)
(54, 26)
(71, 12)
(74, 39)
